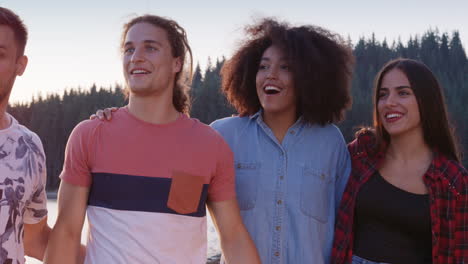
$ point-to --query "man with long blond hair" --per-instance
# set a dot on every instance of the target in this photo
(144, 178)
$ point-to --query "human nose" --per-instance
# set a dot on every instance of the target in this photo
(272, 73)
(391, 99)
(137, 56)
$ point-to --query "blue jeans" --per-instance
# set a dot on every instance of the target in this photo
(359, 260)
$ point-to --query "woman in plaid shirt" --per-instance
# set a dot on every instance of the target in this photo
(407, 197)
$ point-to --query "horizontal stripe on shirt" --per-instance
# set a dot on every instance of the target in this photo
(118, 236)
(137, 193)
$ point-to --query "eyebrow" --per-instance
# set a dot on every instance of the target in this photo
(268, 59)
(147, 41)
(398, 87)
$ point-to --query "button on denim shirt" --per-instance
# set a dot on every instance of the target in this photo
(288, 192)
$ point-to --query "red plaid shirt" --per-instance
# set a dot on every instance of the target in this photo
(447, 182)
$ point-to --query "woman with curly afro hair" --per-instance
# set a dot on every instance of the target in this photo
(289, 85)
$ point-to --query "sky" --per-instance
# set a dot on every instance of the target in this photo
(74, 44)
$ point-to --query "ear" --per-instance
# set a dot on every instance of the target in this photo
(177, 65)
(21, 64)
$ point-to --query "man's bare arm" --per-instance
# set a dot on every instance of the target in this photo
(65, 238)
(35, 239)
(237, 246)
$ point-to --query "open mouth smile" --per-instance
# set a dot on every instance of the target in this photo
(393, 117)
(271, 90)
(139, 72)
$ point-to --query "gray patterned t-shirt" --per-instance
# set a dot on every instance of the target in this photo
(22, 188)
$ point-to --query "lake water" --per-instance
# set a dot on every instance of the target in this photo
(213, 239)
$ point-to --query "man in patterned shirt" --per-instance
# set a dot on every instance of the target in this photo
(23, 202)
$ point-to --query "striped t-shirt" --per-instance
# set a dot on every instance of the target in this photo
(149, 185)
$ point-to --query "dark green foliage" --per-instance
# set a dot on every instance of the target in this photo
(443, 54)
(208, 102)
(53, 117)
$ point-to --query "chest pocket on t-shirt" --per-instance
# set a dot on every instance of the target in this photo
(185, 192)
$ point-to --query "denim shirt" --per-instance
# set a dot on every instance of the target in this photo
(288, 192)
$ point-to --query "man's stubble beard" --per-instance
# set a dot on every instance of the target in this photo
(147, 91)
(5, 89)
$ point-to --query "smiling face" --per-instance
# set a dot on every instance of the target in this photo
(149, 66)
(274, 83)
(11, 65)
(397, 106)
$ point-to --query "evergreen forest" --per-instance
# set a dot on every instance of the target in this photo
(53, 116)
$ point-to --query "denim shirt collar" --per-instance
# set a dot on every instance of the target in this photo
(259, 118)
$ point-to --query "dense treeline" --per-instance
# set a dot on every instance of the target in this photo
(442, 53)
(53, 117)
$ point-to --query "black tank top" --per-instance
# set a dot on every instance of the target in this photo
(392, 225)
